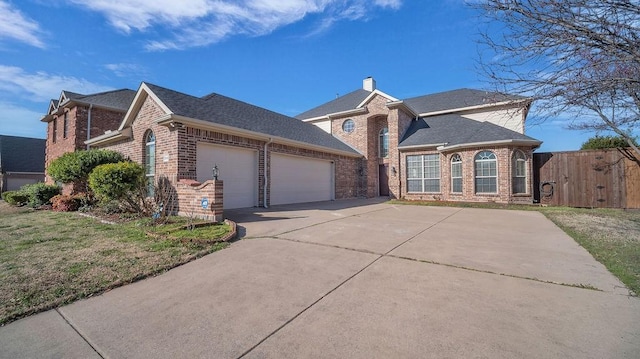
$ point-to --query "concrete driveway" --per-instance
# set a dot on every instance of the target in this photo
(359, 279)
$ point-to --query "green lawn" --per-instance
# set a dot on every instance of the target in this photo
(48, 258)
(612, 236)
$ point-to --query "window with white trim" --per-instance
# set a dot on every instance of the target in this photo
(423, 173)
(65, 125)
(383, 143)
(348, 125)
(486, 172)
(150, 162)
(519, 169)
(54, 131)
(456, 173)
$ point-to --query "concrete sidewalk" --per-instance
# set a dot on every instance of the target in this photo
(358, 279)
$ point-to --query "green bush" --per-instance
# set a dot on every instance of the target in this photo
(117, 181)
(39, 193)
(74, 167)
(602, 142)
(15, 198)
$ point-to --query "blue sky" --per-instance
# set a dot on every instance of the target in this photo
(284, 55)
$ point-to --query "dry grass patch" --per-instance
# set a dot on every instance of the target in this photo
(48, 258)
(611, 236)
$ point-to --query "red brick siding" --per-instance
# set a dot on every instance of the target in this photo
(178, 147)
(77, 121)
(504, 183)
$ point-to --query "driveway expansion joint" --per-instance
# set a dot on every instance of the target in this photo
(84, 338)
(341, 283)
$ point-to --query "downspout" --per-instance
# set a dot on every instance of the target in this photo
(266, 178)
(89, 125)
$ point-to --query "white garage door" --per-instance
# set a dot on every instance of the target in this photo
(238, 168)
(14, 183)
(300, 179)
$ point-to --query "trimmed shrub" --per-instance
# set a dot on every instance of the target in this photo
(74, 167)
(39, 194)
(602, 142)
(117, 181)
(15, 198)
(65, 203)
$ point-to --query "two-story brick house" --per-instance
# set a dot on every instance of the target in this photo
(74, 118)
(461, 145)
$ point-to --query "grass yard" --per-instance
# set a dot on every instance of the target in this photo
(612, 236)
(49, 258)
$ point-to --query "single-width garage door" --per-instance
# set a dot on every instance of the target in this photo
(14, 183)
(238, 168)
(297, 179)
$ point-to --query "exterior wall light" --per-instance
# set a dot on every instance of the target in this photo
(216, 172)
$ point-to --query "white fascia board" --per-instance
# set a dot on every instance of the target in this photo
(110, 136)
(376, 92)
(477, 107)
(415, 147)
(136, 104)
(403, 105)
(535, 143)
(356, 111)
(206, 125)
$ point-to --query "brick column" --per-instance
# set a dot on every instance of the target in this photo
(201, 200)
(217, 201)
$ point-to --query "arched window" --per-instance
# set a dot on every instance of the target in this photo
(383, 150)
(456, 173)
(519, 172)
(486, 172)
(150, 161)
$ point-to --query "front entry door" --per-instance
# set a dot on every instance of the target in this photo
(383, 178)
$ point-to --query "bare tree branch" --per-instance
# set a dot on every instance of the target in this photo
(578, 57)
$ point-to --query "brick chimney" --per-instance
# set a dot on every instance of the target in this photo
(369, 84)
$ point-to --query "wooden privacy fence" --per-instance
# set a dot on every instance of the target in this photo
(594, 178)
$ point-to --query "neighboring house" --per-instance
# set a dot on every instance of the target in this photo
(21, 162)
(465, 145)
(74, 118)
(461, 145)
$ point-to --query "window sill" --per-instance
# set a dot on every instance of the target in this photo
(521, 195)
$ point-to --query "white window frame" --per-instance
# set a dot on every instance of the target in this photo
(383, 143)
(519, 171)
(456, 160)
(483, 158)
(150, 162)
(348, 125)
(421, 172)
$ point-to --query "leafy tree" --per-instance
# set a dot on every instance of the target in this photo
(576, 58)
(602, 142)
(74, 167)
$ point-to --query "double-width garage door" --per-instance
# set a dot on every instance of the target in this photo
(297, 179)
(238, 168)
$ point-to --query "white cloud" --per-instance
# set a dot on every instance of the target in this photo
(127, 70)
(203, 22)
(16, 26)
(20, 121)
(41, 86)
